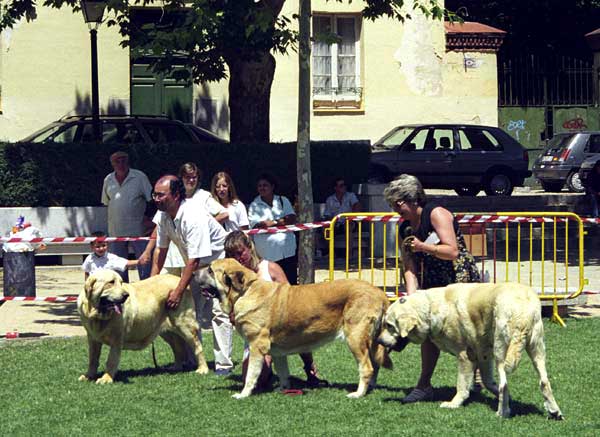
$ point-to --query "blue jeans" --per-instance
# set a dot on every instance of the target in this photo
(121, 248)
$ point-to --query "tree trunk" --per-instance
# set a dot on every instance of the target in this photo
(306, 271)
(249, 98)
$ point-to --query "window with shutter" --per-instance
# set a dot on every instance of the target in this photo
(336, 62)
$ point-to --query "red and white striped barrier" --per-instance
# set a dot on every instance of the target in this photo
(392, 218)
(39, 299)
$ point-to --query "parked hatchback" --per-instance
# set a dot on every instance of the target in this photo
(117, 129)
(561, 160)
(466, 158)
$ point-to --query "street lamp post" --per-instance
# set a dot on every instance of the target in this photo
(92, 15)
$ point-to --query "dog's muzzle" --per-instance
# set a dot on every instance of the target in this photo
(398, 344)
(107, 304)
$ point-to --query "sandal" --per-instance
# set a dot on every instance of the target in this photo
(418, 395)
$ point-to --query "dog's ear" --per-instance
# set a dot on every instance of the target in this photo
(89, 285)
(406, 324)
(235, 279)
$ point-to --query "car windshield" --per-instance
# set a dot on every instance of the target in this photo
(43, 134)
(394, 138)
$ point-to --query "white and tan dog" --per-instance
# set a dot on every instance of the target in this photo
(484, 326)
(130, 316)
(280, 319)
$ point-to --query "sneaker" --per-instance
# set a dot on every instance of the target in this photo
(477, 382)
(418, 395)
(223, 372)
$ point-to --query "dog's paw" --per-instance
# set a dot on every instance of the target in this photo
(106, 379)
(355, 395)
(448, 405)
(239, 396)
(202, 370)
(557, 415)
(84, 378)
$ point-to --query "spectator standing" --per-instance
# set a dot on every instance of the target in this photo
(200, 240)
(592, 188)
(100, 258)
(432, 260)
(126, 192)
(267, 210)
(223, 189)
(191, 176)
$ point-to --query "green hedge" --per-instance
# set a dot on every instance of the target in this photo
(51, 174)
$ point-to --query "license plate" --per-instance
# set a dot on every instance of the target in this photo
(547, 159)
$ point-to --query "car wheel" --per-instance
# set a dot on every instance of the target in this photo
(574, 183)
(499, 184)
(552, 186)
(469, 190)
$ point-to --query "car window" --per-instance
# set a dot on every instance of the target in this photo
(429, 140)
(64, 136)
(593, 144)
(121, 133)
(477, 140)
(166, 133)
(44, 133)
(396, 138)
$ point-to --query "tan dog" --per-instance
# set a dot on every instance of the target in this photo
(484, 326)
(130, 316)
(280, 319)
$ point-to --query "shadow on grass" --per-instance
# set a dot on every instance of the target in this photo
(124, 375)
(441, 394)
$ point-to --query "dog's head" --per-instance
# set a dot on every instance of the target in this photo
(105, 294)
(401, 325)
(227, 280)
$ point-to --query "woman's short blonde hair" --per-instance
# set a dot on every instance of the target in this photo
(237, 240)
(405, 188)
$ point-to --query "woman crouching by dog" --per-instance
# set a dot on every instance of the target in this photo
(434, 255)
(240, 247)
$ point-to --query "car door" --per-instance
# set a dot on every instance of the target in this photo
(428, 155)
(478, 151)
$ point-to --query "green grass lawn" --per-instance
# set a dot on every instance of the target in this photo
(41, 395)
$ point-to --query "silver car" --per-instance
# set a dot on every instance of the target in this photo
(561, 160)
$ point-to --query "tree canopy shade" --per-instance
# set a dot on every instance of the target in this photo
(215, 39)
(541, 25)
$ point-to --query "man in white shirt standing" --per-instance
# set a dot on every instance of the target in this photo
(200, 240)
(126, 192)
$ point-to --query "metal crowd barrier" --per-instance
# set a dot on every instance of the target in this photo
(541, 249)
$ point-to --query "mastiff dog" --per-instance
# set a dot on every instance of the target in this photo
(485, 326)
(281, 319)
(130, 316)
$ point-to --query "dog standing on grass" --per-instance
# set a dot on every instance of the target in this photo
(131, 316)
(281, 319)
(485, 326)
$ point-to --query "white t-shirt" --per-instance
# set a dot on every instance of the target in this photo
(238, 216)
(208, 202)
(126, 203)
(195, 233)
(263, 270)
(109, 261)
(334, 207)
(272, 246)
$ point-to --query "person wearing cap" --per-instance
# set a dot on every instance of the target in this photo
(127, 193)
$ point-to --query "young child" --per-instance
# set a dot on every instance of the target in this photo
(102, 259)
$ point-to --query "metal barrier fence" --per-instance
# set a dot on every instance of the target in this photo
(543, 250)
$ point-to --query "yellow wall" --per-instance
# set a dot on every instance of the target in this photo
(407, 77)
(45, 71)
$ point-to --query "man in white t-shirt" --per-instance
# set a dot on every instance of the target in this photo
(200, 240)
(126, 192)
